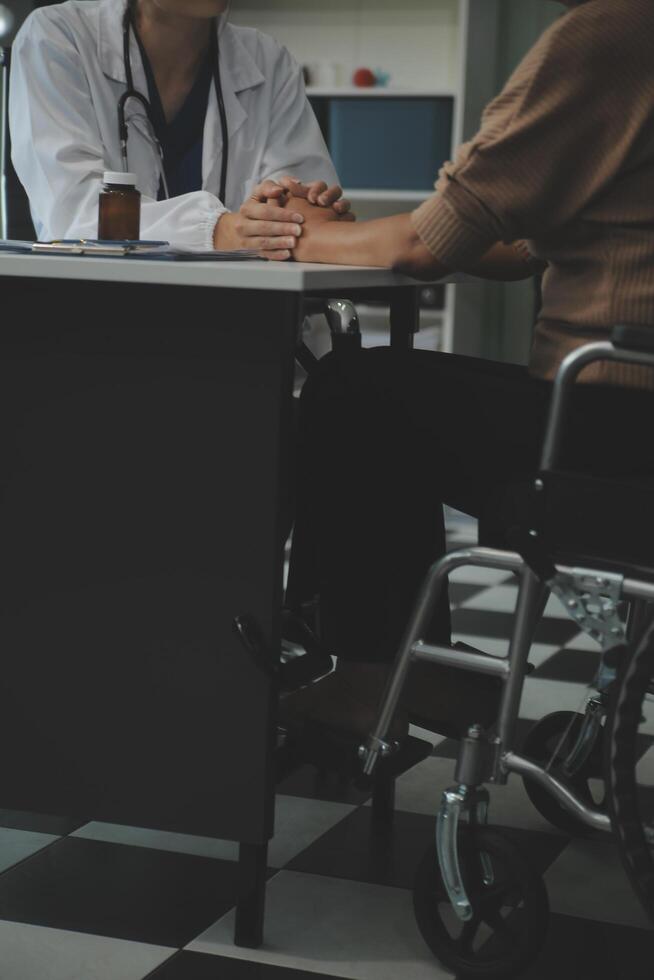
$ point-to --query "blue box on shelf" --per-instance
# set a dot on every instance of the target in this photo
(391, 142)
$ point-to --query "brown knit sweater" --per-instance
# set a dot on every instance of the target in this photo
(564, 158)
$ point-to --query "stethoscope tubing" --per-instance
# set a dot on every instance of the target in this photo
(132, 93)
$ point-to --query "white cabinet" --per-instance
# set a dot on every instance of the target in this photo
(416, 41)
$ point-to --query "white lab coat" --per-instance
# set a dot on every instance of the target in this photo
(66, 78)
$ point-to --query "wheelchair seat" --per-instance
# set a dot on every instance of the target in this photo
(577, 518)
(583, 518)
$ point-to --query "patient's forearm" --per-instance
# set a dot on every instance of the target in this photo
(394, 243)
(386, 242)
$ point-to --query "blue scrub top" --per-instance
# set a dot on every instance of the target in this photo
(182, 138)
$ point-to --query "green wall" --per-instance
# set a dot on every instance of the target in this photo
(521, 23)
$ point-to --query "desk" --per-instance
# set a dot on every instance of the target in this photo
(145, 437)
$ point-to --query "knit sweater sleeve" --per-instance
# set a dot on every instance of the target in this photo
(549, 144)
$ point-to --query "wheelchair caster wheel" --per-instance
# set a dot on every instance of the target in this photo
(510, 914)
(541, 743)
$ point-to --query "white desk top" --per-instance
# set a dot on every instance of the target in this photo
(283, 276)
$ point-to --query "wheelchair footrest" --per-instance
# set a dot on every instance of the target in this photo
(297, 670)
(469, 698)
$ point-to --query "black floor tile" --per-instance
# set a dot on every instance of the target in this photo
(40, 823)
(483, 622)
(576, 666)
(202, 966)
(449, 747)
(352, 850)
(126, 892)
(580, 949)
(309, 782)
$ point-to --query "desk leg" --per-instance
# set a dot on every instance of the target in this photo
(383, 803)
(248, 930)
(405, 316)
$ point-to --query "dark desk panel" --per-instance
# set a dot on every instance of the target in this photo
(144, 441)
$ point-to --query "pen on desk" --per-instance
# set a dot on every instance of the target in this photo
(143, 243)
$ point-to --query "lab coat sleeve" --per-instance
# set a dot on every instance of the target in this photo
(57, 148)
(296, 146)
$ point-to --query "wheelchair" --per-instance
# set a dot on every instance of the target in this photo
(479, 905)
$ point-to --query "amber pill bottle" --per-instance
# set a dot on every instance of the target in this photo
(119, 209)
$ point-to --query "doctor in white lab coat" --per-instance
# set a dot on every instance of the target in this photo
(68, 74)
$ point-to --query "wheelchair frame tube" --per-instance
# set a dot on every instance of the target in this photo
(637, 589)
(511, 669)
(4, 153)
(529, 599)
(567, 374)
(430, 591)
(480, 663)
(511, 762)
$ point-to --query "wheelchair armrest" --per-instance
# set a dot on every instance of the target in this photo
(341, 315)
(634, 338)
(343, 322)
(628, 345)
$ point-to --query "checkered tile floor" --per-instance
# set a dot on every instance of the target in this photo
(103, 902)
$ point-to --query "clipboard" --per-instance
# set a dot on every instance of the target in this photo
(84, 246)
(78, 246)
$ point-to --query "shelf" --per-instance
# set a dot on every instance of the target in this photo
(379, 92)
(365, 194)
(435, 315)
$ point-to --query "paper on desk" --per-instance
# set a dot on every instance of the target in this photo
(175, 250)
(123, 250)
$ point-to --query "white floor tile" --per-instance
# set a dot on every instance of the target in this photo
(16, 845)
(493, 646)
(556, 610)
(503, 598)
(538, 654)
(298, 823)
(541, 697)
(582, 641)
(420, 790)
(500, 598)
(475, 575)
(160, 840)
(645, 769)
(36, 953)
(329, 925)
(426, 735)
(588, 881)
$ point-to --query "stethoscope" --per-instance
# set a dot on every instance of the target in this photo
(132, 93)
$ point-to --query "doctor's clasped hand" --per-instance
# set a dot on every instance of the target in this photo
(268, 225)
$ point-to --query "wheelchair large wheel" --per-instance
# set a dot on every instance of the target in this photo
(549, 743)
(510, 915)
(630, 768)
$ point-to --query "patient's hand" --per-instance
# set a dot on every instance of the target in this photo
(314, 213)
(319, 195)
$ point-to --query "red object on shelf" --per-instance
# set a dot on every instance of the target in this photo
(364, 78)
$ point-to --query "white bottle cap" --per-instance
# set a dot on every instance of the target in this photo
(119, 177)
